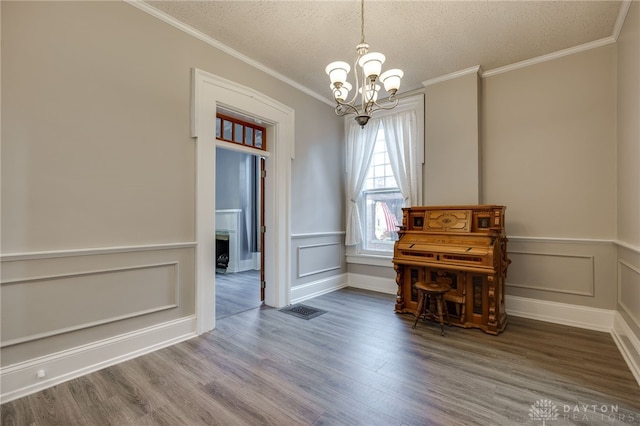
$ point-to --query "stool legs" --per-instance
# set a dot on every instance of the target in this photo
(420, 308)
(441, 308)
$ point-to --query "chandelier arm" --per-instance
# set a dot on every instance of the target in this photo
(352, 102)
(394, 102)
(343, 109)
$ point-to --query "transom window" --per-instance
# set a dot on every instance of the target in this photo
(231, 129)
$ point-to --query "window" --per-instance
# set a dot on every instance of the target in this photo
(381, 201)
(383, 174)
(234, 130)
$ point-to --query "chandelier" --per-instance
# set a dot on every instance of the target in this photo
(365, 99)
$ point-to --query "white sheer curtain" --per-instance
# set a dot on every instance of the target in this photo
(400, 133)
(360, 144)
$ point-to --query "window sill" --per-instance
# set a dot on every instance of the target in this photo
(371, 260)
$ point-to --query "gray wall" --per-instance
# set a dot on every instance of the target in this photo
(549, 156)
(98, 168)
(451, 160)
(628, 171)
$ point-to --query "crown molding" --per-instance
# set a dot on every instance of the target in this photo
(551, 56)
(139, 4)
(622, 15)
(472, 70)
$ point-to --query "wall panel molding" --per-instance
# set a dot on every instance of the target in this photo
(628, 246)
(52, 254)
(317, 234)
(569, 270)
(517, 238)
(629, 289)
(69, 293)
(315, 259)
(587, 267)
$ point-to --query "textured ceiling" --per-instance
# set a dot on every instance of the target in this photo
(426, 39)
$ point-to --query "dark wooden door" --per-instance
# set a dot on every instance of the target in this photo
(262, 228)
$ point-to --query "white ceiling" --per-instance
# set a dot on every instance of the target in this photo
(426, 39)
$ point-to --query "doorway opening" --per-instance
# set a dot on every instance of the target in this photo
(239, 225)
(209, 93)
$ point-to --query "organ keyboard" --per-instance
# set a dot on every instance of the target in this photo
(464, 245)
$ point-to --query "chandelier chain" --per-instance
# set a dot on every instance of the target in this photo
(362, 21)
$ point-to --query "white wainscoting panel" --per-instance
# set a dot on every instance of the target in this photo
(629, 289)
(545, 271)
(74, 311)
(317, 258)
(87, 299)
(566, 270)
(318, 265)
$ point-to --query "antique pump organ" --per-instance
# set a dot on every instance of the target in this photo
(466, 246)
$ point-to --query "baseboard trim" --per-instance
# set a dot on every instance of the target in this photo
(316, 288)
(373, 283)
(628, 344)
(561, 313)
(19, 380)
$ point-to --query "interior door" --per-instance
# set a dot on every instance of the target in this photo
(262, 228)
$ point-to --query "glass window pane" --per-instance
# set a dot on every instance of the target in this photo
(226, 133)
(237, 133)
(387, 170)
(258, 138)
(378, 158)
(383, 215)
(218, 126)
(248, 136)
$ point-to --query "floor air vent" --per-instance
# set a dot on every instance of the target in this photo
(302, 311)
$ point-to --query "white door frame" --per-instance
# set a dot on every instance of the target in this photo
(208, 92)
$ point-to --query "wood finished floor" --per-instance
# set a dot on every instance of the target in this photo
(237, 293)
(357, 364)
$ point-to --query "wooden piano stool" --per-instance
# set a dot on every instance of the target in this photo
(430, 294)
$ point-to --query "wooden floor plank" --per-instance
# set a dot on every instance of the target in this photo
(357, 364)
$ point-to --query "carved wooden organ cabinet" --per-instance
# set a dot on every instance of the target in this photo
(466, 246)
